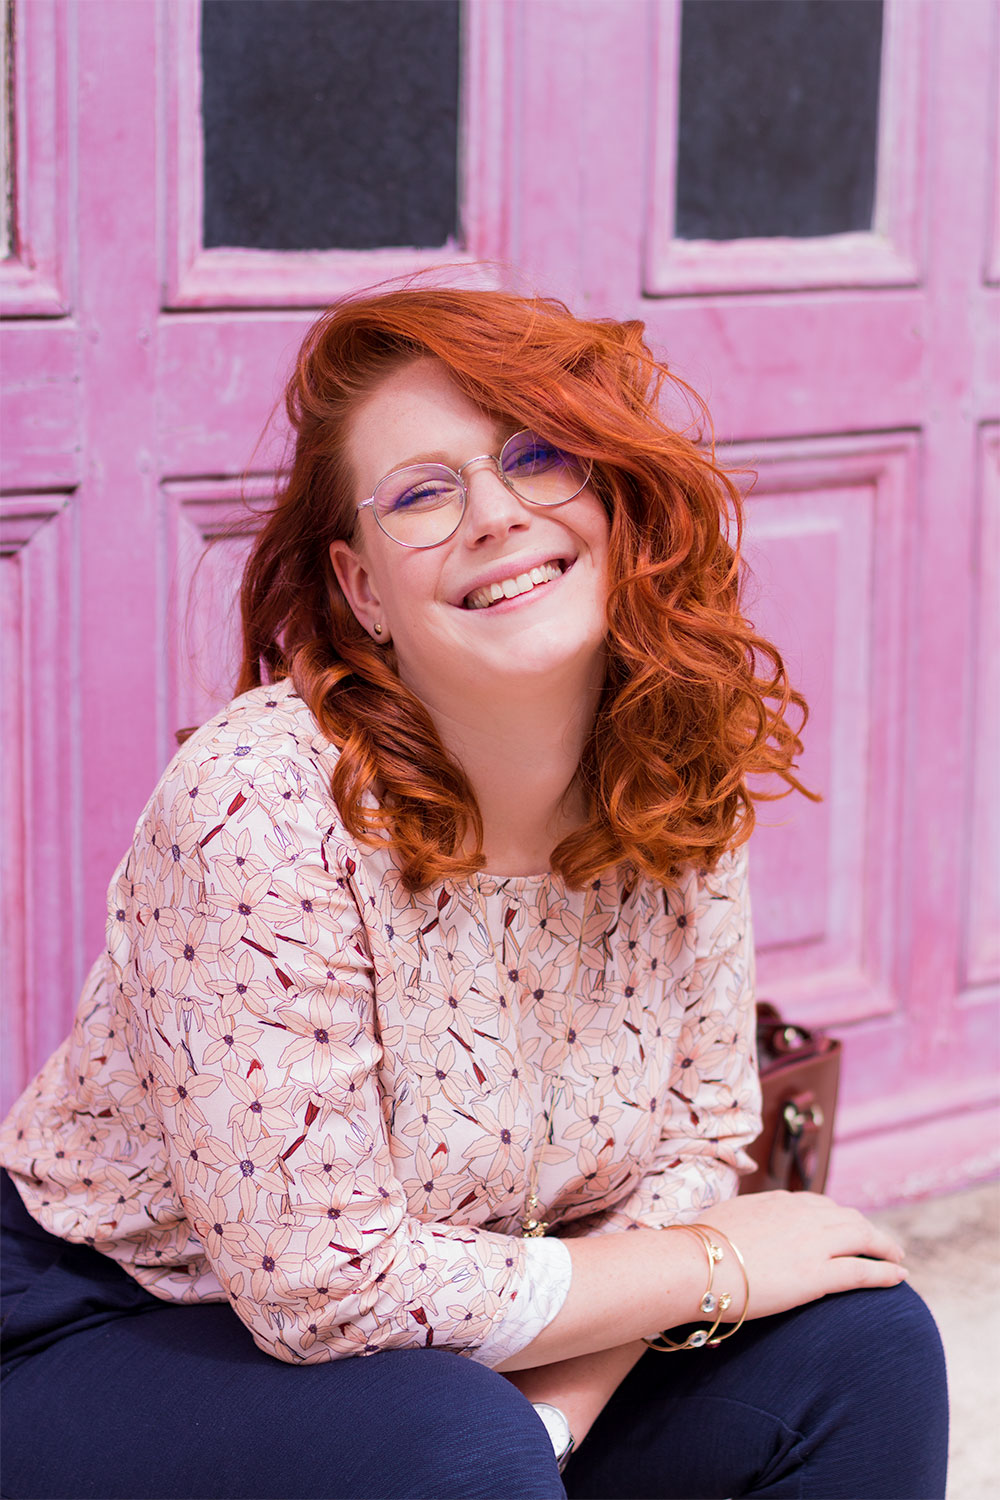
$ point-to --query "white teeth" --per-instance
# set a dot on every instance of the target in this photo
(510, 588)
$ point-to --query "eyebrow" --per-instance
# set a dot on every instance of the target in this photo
(502, 432)
(435, 456)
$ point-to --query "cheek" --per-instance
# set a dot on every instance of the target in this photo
(595, 522)
(407, 588)
(389, 567)
(599, 539)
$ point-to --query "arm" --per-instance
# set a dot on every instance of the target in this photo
(797, 1247)
(246, 988)
(713, 1092)
(248, 992)
(580, 1387)
(722, 1114)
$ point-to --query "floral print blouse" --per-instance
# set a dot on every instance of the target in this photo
(293, 1085)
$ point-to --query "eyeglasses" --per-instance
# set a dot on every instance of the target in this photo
(422, 505)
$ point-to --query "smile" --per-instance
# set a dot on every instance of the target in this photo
(509, 588)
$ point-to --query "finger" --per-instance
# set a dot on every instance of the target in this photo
(850, 1272)
(861, 1237)
(885, 1247)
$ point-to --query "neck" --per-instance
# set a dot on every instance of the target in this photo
(521, 753)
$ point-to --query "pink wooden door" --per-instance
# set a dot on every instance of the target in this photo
(857, 372)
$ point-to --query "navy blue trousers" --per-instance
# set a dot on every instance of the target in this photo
(108, 1392)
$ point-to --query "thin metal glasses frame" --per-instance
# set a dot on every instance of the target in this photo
(491, 458)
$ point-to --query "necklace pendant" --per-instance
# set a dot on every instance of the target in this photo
(532, 1228)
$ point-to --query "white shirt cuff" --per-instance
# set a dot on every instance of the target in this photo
(548, 1271)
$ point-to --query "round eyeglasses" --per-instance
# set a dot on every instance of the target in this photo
(422, 505)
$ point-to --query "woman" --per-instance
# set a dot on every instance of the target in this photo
(429, 972)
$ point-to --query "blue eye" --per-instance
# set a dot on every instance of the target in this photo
(533, 456)
(416, 496)
(427, 494)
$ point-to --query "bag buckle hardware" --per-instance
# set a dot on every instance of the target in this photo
(798, 1068)
(797, 1119)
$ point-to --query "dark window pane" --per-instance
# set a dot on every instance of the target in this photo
(778, 117)
(330, 124)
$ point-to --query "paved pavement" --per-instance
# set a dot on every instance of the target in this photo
(953, 1253)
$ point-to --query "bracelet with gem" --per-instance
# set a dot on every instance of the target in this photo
(709, 1303)
(715, 1342)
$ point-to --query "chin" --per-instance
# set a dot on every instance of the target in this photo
(548, 659)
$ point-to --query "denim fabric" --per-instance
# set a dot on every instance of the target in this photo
(108, 1392)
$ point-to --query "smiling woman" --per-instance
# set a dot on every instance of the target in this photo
(429, 972)
(519, 676)
(678, 705)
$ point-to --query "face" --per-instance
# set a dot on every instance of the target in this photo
(448, 651)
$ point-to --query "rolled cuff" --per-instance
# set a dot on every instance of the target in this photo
(548, 1272)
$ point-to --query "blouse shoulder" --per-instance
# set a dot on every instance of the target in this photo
(268, 721)
(730, 874)
(263, 753)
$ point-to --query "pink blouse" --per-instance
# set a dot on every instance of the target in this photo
(293, 1084)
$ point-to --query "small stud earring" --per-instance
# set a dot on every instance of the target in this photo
(377, 628)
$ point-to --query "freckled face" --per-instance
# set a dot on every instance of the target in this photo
(552, 632)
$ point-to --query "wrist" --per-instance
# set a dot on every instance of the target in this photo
(556, 1424)
(716, 1302)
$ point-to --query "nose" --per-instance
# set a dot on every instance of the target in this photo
(491, 509)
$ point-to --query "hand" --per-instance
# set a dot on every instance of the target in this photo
(798, 1247)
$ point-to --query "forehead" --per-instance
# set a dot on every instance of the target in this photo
(418, 414)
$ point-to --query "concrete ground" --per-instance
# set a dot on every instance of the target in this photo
(953, 1254)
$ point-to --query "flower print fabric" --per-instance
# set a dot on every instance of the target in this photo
(293, 1084)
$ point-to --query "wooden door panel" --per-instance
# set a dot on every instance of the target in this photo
(803, 363)
(889, 349)
(891, 254)
(208, 534)
(42, 722)
(41, 468)
(827, 548)
(36, 259)
(981, 906)
(199, 278)
(221, 380)
(40, 391)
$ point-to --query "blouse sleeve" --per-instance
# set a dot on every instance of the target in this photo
(246, 975)
(713, 1090)
(548, 1276)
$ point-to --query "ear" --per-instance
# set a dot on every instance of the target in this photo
(359, 590)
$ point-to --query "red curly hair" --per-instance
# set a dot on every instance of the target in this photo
(694, 700)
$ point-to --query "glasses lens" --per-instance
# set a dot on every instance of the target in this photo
(419, 506)
(540, 472)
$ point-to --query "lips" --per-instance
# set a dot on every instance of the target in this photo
(510, 588)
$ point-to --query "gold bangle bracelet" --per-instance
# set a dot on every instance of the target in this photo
(709, 1301)
(715, 1342)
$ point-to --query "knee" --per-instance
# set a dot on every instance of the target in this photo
(910, 1323)
(470, 1432)
(883, 1340)
(894, 1319)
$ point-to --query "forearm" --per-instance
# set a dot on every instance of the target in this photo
(580, 1387)
(625, 1287)
(795, 1247)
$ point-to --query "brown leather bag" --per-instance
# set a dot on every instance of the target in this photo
(799, 1075)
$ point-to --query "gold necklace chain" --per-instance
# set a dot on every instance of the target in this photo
(533, 1226)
